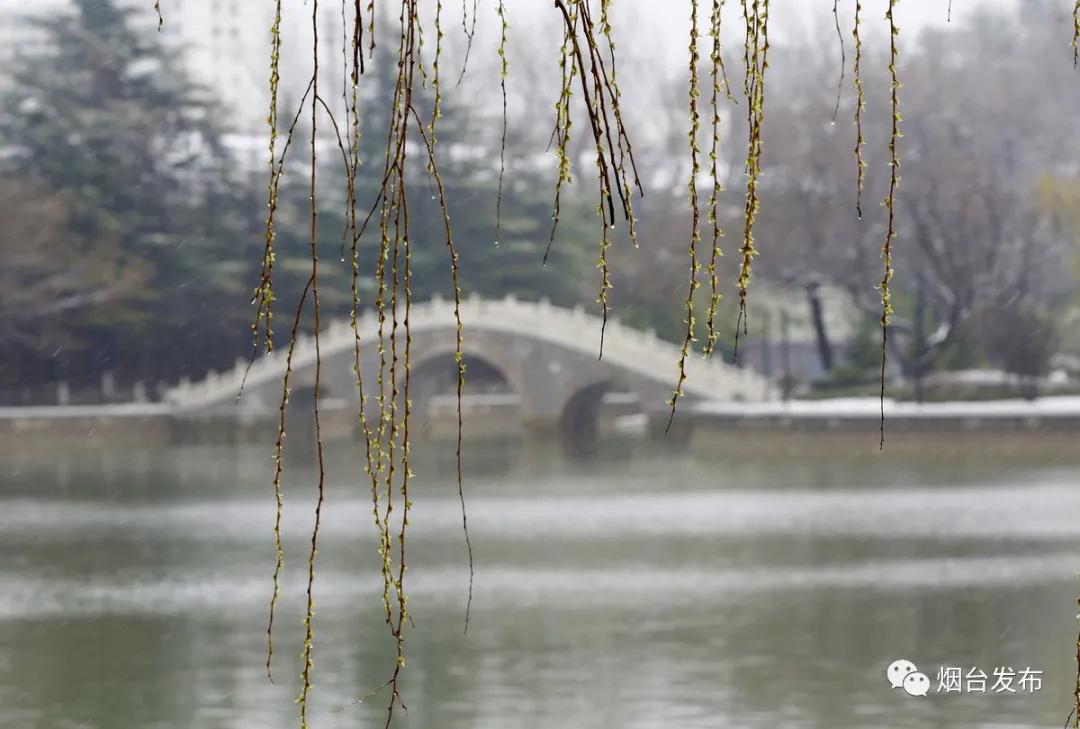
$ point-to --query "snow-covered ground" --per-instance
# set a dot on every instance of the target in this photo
(870, 407)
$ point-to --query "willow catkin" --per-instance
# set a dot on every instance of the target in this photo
(890, 201)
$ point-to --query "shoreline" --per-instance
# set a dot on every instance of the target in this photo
(1056, 412)
(832, 412)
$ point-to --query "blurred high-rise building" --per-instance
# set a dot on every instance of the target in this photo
(224, 46)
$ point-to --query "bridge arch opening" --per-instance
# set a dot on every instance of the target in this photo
(488, 393)
(594, 408)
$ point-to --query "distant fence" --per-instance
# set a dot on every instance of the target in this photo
(100, 389)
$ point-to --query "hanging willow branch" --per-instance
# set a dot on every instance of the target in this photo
(693, 92)
(843, 59)
(860, 105)
(1075, 715)
(264, 295)
(756, 50)
(562, 132)
(1076, 33)
(371, 28)
(313, 285)
(504, 73)
(719, 77)
(583, 58)
(890, 201)
(387, 435)
(470, 32)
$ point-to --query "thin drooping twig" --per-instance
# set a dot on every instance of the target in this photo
(309, 615)
(860, 105)
(371, 28)
(393, 227)
(605, 272)
(458, 351)
(459, 361)
(719, 77)
(357, 45)
(756, 13)
(1076, 33)
(843, 59)
(561, 133)
(503, 74)
(279, 445)
(264, 297)
(890, 202)
(353, 161)
(693, 92)
(1076, 688)
(470, 31)
(606, 221)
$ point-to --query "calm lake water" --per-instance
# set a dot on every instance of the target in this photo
(643, 586)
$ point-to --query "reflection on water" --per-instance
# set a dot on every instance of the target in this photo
(642, 586)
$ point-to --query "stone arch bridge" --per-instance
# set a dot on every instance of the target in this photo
(547, 355)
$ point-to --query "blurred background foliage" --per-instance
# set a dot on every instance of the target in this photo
(131, 224)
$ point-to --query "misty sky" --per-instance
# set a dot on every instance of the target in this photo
(669, 19)
(656, 30)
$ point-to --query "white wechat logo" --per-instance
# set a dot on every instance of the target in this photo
(917, 684)
(904, 674)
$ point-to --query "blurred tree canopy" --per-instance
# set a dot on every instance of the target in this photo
(986, 271)
(982, 265)
(130, 237)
